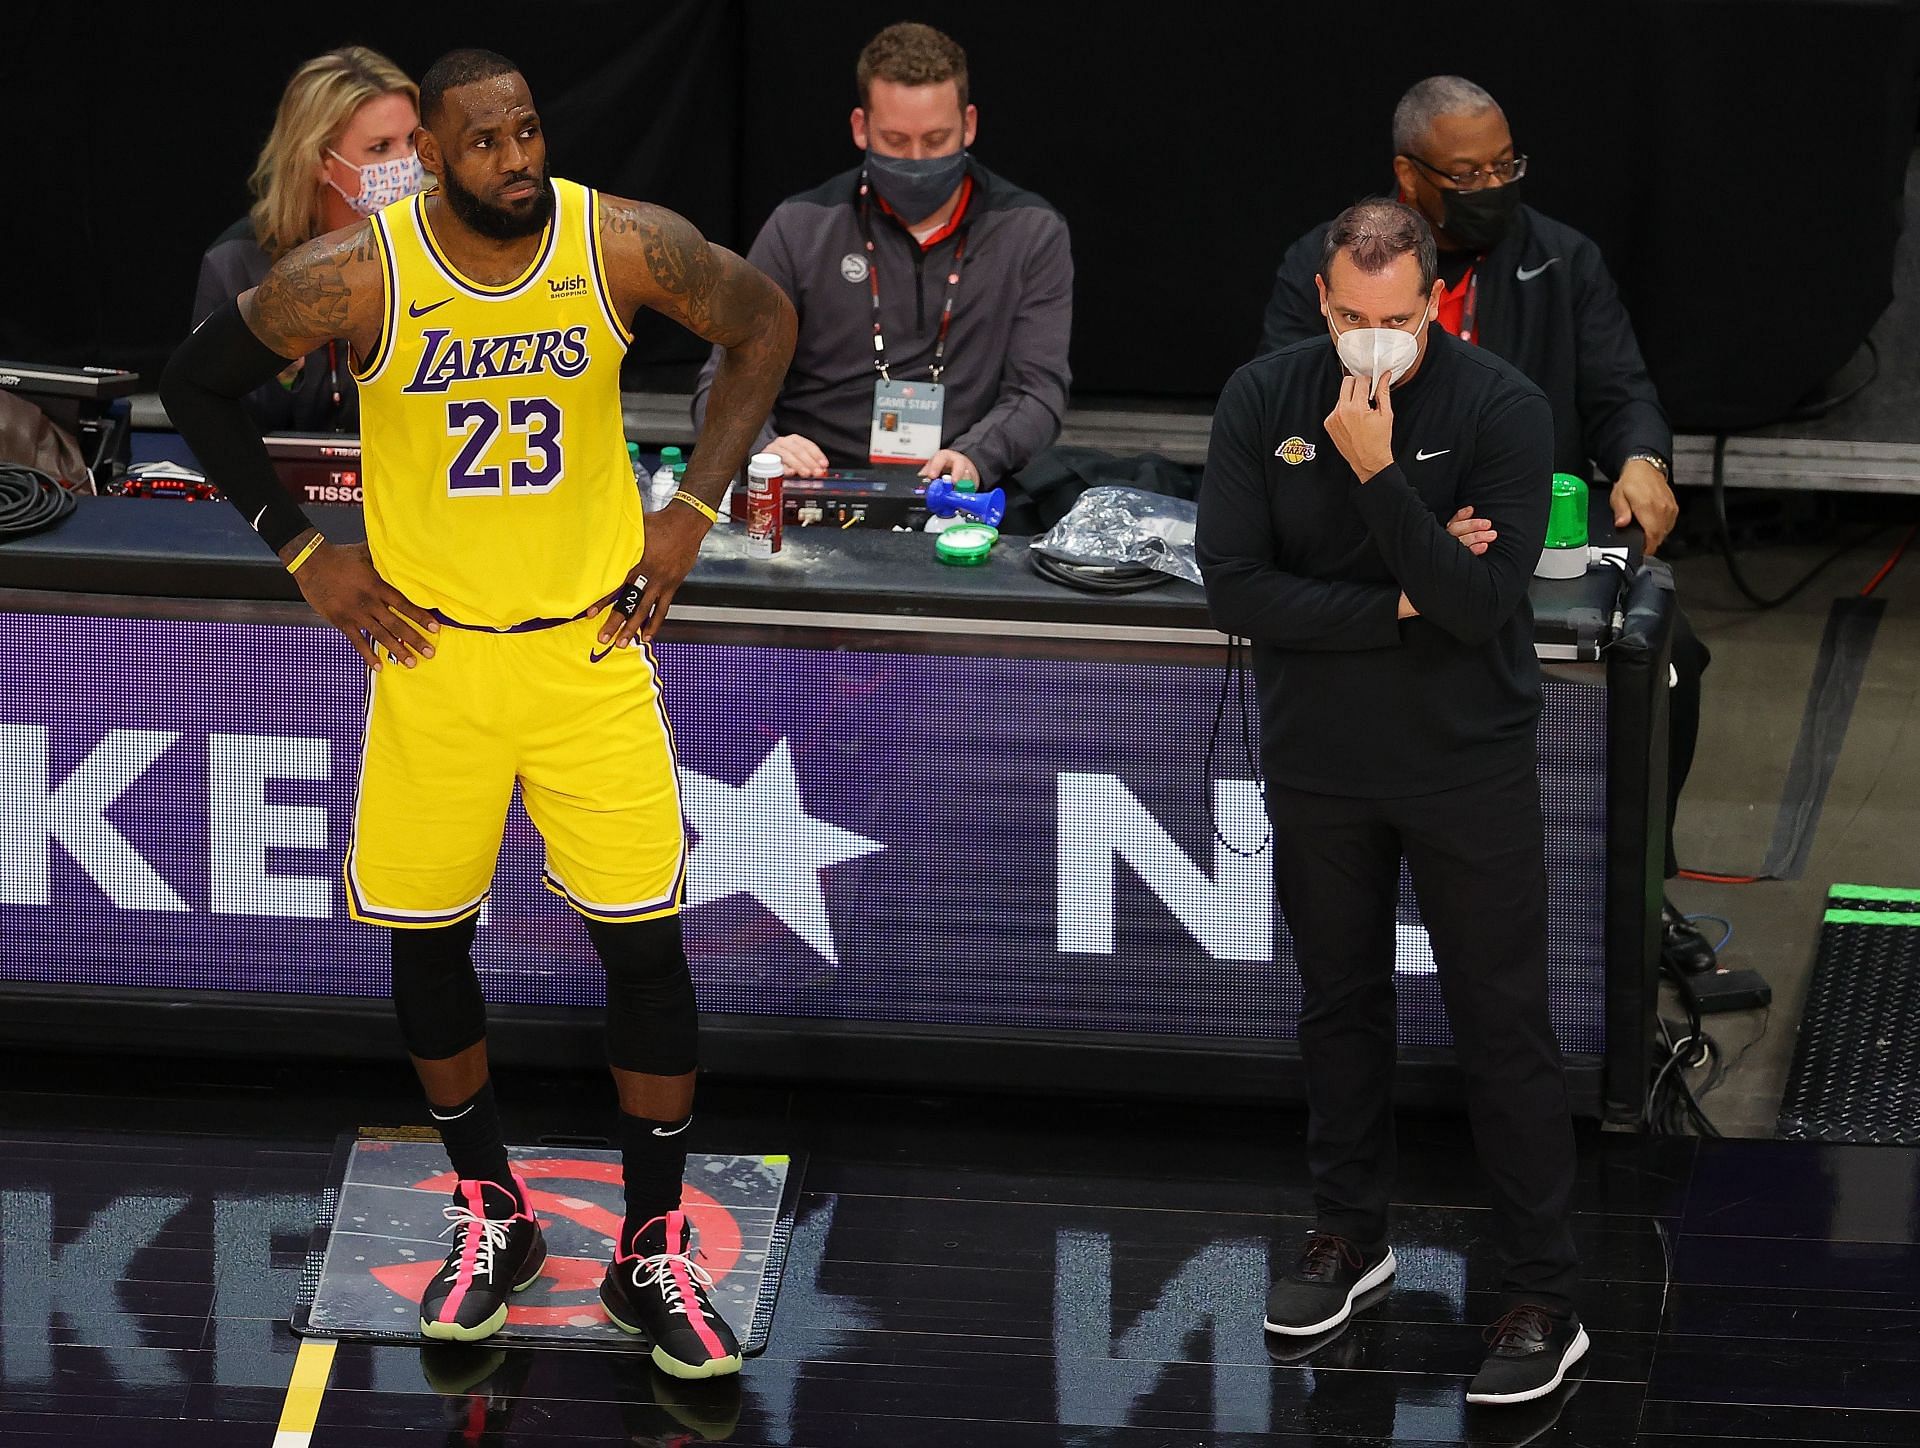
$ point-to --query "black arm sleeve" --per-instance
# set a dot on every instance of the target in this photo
(1620, 413)
(220, 363)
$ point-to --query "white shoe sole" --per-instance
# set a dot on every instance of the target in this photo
(1576, 1350)
(1382, 1270)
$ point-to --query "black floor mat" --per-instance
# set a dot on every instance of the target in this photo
(1856, 1066)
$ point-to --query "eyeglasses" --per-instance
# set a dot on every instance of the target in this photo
(1505, 172)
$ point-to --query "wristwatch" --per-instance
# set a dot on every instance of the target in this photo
(1651, 457)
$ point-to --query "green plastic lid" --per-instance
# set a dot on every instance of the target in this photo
(633, 450)
(1567, 519)
(965, 544)
(670, 457)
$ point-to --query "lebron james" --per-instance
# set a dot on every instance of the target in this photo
(504, 603)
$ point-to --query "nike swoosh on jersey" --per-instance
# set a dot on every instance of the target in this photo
(1527, 274)
(418, 311)
(1421, 457)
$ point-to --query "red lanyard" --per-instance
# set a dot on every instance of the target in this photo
(1472, 304)
(880, 364)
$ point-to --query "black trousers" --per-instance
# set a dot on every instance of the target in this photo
(1690, 660)
(1478, 860)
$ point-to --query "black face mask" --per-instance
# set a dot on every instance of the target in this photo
(1478, 219)
(914, 190)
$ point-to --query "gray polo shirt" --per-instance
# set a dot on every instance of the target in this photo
(1006, 360)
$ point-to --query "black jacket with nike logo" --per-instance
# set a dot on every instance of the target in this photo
(1547, 304)
(1309, 563)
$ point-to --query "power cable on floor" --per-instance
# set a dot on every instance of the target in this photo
(1757, 599)
(1890, 564)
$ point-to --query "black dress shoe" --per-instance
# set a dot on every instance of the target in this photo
(1532, 1350)
(1683, 946)
(1325, 1285)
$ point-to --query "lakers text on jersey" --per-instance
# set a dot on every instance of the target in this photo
(493, 456)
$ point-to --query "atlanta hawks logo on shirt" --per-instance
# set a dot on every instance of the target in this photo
(1295, 451)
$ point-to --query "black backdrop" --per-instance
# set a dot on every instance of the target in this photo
(1739, 163)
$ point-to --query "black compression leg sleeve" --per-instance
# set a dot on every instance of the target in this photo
(435, 992)
(653, 1025)
(220, 363)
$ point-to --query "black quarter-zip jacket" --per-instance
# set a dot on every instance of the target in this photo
(1308, 563)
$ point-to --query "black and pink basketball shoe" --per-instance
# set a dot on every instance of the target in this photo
(656, 1287)
(497, 1250)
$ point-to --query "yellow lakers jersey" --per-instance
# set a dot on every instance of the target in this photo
(493, 456)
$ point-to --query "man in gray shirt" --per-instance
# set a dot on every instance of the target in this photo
(935, 298)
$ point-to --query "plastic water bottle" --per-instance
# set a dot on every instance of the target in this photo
(638, 470)
(666, 480)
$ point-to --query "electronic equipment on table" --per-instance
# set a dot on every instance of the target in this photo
(80, 401)
(876, 497)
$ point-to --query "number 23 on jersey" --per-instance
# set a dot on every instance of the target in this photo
(476, 470)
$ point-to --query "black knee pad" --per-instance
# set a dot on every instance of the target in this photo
(435, 992)
(653, 1025)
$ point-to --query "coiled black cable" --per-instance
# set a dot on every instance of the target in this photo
(1097, 577)
(30, 501)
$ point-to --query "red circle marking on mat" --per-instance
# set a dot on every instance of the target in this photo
(719, 1241)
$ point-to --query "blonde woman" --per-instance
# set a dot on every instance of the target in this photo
(341, 148)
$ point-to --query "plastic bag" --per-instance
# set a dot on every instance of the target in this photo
(1112, 526)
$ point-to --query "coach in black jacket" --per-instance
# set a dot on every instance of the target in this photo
(1537, 293)
(1399, 694)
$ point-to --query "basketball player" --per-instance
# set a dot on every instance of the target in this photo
(505, 625)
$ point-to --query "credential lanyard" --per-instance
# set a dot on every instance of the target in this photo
(880, 364)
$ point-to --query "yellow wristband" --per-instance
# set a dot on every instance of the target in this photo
(694, 503)
(305, 553)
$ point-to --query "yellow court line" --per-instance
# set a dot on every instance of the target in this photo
(302, 1407)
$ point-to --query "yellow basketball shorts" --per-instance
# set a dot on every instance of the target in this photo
(588, 743)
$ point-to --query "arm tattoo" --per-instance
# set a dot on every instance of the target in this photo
(682, 265)
(305, 298)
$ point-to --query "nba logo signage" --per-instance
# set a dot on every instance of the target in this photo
(166, 828)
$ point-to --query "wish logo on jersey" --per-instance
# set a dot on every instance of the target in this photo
(449, 359)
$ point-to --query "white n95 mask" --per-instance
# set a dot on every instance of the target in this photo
(1373, 352)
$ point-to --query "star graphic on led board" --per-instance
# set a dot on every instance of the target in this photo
(758, 839)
